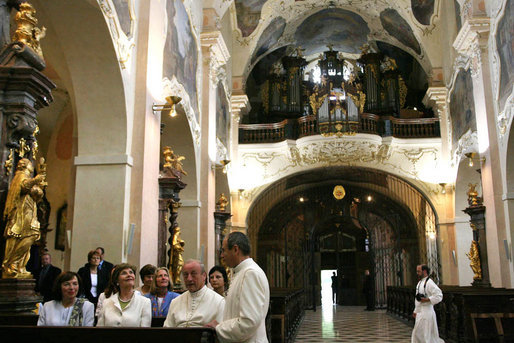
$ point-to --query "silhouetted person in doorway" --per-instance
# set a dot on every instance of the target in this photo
(367, 289)
(334, 287)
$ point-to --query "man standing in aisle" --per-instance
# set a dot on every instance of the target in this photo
(247, 301)
(427, 295)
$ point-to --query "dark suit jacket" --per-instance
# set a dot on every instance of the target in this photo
(107, 266)
(85, 275)
(46, 285)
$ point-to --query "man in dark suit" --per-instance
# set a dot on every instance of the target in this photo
(46, 277)
(367, 289)
(104, 265)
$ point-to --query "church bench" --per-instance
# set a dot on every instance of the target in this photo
(54, 334)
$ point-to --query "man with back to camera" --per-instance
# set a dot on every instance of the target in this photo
(427, 295)
(199, 305)
(248, 297)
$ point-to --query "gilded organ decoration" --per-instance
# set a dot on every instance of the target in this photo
(20, 214)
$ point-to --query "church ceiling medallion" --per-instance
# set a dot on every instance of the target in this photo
(121, 19)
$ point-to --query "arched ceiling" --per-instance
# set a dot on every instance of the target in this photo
(266, 25)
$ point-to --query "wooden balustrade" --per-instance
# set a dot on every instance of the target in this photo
(287, 311)
(466, 314)
(368, 123)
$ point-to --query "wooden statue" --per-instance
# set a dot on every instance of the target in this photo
(20, 214)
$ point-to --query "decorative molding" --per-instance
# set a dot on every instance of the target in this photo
(467, 143)
(221, 151)
(93, 160)
(472, 38)
(215, 55)
(240, 104)
(173, 87)
(123, 44)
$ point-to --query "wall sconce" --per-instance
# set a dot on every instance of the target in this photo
(443, 187)
(169, 106)
(222, 165)
(473, 156)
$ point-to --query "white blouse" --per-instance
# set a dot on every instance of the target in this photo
(94, 284)
(52, 313)
(138, 312)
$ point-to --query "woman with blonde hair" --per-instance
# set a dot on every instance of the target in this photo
(125, 307)
(160, 293)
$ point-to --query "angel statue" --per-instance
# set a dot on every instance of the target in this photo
(20, 215)
(173, 161)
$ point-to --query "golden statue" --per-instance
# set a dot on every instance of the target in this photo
(474, 257)
(20, 214)
(173, 161)
(26, 31)
(222, 203)
(473, 198)
(176, 260)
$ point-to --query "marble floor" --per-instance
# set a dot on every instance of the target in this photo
(351, 324)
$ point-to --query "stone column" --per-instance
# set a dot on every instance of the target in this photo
(472, 41)
(215, 56)
(220, 220)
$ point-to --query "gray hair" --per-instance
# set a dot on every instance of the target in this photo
(241, 240)
(192, 260)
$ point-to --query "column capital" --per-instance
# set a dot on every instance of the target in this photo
(215, 55)
(240, 104)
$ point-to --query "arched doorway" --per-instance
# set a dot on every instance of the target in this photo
(383, 224)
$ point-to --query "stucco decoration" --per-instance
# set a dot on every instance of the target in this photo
(346, 30)
(121, 19)
(398, 27)
(462, 106)
(181, 51)
(458, 19)
(248, 15)
(269, 37)
(423, 10)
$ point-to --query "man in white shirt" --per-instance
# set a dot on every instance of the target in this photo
(247, 301)
(199, 305)
(427, 295)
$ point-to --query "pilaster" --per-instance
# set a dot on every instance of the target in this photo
(472, 42)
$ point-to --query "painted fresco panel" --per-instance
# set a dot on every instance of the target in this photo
(397, 27)
(462, 106)
(505, 45)
(423, 10)
(248, 15)
(180, 51)
(270, 36)
(346, 30)
(123, 12)
(222, 116)
(458, 20)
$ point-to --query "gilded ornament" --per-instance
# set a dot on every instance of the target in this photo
(26, 30)
(10, 162)
(222, 203)
(473, 198)
(20, 215)
(339, 192)
(474, 258)
(173, 162)
(402, 91)
(23, 148)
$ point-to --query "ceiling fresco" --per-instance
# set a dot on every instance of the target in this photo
(423, 10)
(248, 15)
(269, 37)
(346, 30)
(397, 27)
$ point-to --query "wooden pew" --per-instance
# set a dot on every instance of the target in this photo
(55, 334)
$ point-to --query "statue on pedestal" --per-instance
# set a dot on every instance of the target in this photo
(173, 162)
(473, 198)
(222, 203)
(177, 262)
(27, 32)
(20, 214)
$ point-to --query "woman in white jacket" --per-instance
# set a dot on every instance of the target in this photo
(125, 307)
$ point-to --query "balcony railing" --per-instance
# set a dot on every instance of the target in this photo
(368, 123)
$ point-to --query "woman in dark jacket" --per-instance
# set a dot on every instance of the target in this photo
(94, 280)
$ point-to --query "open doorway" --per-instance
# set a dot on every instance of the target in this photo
(326, 287)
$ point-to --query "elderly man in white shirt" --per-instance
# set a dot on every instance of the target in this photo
(248, 297)
(199, 305)
(427, 295)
